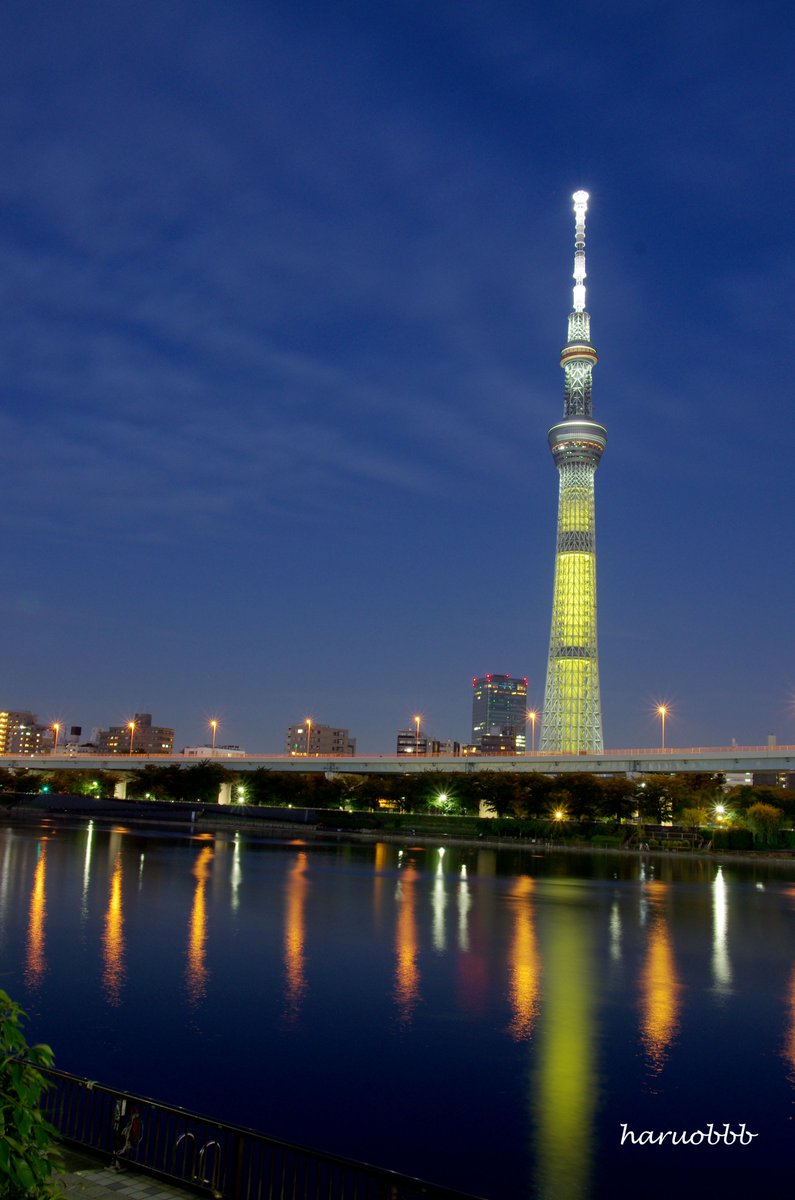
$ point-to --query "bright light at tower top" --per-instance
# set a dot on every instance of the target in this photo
(580, 207)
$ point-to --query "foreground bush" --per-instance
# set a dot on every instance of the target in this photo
(27, 1142)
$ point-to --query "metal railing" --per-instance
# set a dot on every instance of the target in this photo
(210, 1157)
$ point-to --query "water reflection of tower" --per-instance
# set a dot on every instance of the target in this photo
(564, 1086)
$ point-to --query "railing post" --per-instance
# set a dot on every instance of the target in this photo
(235, 1182)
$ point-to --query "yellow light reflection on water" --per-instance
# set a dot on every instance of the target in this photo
(385, 857)
(659, 984)
(564, 1089)
(196, 973)
(35, 964)
(113, 938)
(524, 962)
(407, 972)
(295, 936)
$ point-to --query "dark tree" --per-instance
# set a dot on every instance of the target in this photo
(617, 798)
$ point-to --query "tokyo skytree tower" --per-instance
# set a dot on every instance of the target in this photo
(572, 708)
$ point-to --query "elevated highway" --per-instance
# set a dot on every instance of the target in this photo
(731, 760)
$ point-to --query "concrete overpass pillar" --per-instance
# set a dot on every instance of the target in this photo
(120, 788)
(225, 793)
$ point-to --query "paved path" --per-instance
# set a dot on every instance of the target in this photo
(103, 1184)
(86, 1178)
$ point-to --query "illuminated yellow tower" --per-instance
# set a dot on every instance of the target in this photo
(572, 708)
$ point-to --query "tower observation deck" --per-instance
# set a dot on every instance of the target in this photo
(572, 720)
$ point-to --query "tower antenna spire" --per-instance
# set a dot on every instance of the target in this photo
(580, 208)
(572, 705)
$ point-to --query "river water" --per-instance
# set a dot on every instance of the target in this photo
(496, 1021)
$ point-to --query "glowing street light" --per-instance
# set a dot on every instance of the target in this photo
(56, 725)
(662, 712)
(417, 721)
(532, 717)
(131, 727)
(214, 727)
(308, 734)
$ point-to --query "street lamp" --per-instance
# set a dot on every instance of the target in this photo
(532, 717)
(56, 725)
(308, 734)
(417, 721)
(663, 713)
(131, 727)
(214, 727)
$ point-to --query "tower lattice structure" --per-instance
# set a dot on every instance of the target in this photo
(572, 707)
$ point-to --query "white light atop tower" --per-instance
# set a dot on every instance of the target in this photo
(580, 207)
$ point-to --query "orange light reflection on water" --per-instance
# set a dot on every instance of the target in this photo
(524, 963)
(295, 935)
(407, 972)
(659, 984)
(197, 974)
(35, 964)
(113, 938)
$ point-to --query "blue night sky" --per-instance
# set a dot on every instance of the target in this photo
(283, 290)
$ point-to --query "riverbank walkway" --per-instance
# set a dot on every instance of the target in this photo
(88, 1177)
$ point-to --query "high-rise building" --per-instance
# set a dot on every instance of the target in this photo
(310, 738)
(138, 736)
(20, 733)
(572, 721)
(499, 707)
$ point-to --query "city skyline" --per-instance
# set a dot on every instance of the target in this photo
(281, 298)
